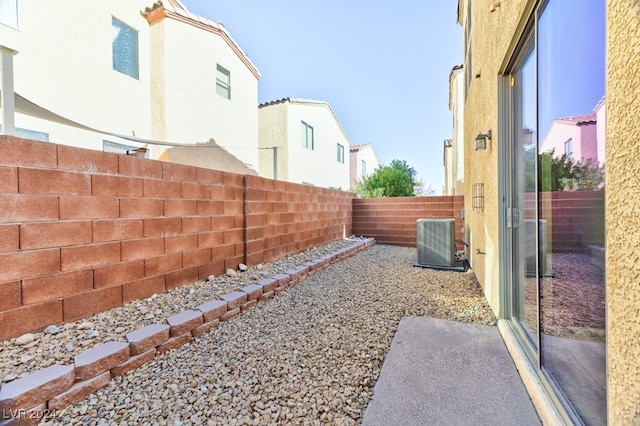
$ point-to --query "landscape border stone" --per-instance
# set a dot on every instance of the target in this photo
(59, 386)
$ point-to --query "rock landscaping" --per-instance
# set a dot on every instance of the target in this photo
(298, 341)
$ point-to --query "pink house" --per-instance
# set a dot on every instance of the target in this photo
(575, 136)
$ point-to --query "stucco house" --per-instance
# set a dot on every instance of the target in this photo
(573, 136)
(362, 162)
(302, 141)
(85, 74)
(555, 266)
(453, 149)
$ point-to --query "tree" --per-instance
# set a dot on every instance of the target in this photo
(562, 173)
(395, 180)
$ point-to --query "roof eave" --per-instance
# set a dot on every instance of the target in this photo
(159, 11)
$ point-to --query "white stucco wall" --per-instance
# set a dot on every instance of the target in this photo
(368, 155)
(64, 64)
(318, 166)
(454, 167)
(280, 125)
(194, 112)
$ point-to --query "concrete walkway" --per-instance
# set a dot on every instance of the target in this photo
(441, 372)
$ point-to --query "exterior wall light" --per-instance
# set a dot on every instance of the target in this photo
(481, 140)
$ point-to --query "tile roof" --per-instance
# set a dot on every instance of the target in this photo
(293, 101)
(578, 119)
(175, 9)
(358, 147)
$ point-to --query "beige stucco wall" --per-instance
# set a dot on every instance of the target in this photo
(272, 131)
(491, 37)
(623, 211)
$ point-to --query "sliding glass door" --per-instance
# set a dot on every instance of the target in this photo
(555, 202)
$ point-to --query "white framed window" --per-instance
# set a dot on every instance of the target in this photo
(118, 148)
(124, 48)
(340, 153)
(363, 167)
(9, 13)
(223, 82)
(307, 136)
(568, 148)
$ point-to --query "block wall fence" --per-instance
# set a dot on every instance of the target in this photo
(576, 219)
(83, 231)
(393, 220)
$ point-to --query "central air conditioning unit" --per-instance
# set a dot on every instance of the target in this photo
(436, 242)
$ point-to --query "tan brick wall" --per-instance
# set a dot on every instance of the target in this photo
(84, 231)
(623, 211)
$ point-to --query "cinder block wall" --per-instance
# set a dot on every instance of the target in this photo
(285, 217)
(393, 220)
(575, 219)
(83, 231)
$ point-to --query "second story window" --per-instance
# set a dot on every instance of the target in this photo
(363, 166)
(124, 45)
(307, 135)
(341, 154)
(568, 148)
(223, 82)
(9, 13)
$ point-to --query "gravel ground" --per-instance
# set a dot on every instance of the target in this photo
(35, 351)
(308, 356)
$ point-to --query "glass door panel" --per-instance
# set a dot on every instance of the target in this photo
(521, 215)
(571, 60)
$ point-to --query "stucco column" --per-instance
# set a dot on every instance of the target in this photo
(7, 97)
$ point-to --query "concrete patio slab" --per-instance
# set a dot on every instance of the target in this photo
(441, 372)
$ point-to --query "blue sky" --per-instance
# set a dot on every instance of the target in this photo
(383, 66)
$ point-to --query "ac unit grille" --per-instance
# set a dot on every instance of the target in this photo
(436, 242)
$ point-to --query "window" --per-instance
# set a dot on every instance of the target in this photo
(124, 46)
(223, 82)
(307, 136)
(568, 148)
(30, 134)
(9, 13)
(118, 148)
(340, 154)
(363, 167)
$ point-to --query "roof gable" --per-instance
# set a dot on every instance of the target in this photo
(176, 10)
(303, 101)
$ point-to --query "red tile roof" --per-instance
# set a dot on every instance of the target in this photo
(578, 119)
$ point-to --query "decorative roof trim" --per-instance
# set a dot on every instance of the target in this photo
(176, 11)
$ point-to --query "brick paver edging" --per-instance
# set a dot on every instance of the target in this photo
(28, 399)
